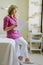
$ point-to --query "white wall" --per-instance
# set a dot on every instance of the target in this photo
(22, 10)
(34, 16)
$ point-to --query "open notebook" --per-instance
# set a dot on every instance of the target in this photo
(21, 24)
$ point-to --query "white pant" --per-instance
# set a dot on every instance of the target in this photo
(22, 44)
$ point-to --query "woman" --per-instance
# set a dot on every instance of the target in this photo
(10, 23)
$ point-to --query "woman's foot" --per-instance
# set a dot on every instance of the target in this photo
(20, 58)
(27, 60)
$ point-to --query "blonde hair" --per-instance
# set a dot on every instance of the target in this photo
(11, 8)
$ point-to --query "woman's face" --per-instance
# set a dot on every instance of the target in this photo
(14, 11)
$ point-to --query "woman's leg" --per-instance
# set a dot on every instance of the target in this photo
(17, 48)
(23, 50)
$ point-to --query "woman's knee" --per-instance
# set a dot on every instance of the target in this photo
(25, 43)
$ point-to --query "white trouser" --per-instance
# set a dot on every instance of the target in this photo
(23, 47)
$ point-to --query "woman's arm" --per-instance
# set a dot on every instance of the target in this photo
(10, 27)
(5, 24)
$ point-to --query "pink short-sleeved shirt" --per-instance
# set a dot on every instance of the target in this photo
(9, 21)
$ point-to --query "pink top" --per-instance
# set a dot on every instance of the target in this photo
(9, 21)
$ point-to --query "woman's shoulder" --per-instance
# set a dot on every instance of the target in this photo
(6, 17)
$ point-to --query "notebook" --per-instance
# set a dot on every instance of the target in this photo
(21, 24)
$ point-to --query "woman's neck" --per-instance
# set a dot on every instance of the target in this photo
(12, 16)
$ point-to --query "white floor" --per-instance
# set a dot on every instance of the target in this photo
(37, 59)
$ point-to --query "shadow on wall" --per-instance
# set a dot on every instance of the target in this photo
(24, 32)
